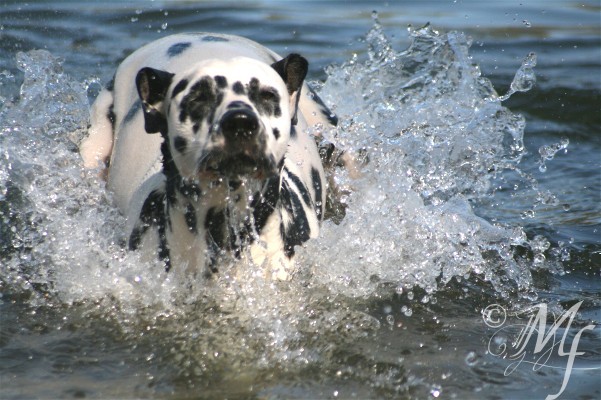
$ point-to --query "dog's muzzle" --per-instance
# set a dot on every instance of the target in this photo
(244, 147)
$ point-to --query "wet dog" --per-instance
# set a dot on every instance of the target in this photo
(206, 147)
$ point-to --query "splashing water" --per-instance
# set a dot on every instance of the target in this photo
(434, 134)
(51, 214)
(524, 78)
(548, 152)
(429, 134)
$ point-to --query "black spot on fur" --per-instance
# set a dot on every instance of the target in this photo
(199, 101)
(111, 116)
(215, 225)
(281, 164)
(326, 151)
(177, 49)
(172, 177)
(211, 38)
(234, 184)
(276, 133)
(238, 88)
(330, 116)
(266, 99)
(189, 189)
(304, 192)
(152, 215)
(190, 216)
(298, 231)
(288, 249)
(264, 204)
(319, 203)
(111, 84)
(218, 100)
(221, 81)
(180, 144)
(181, 85)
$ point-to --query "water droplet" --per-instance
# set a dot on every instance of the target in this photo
(542, 167)
(471, 359)
(528, 214)
(547, 152)
(539, 259)
(500, 340)
(539, 243)
(524, 78)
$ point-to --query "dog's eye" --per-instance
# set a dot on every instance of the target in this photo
(269, 95)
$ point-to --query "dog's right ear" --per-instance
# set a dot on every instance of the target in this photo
(152, 87)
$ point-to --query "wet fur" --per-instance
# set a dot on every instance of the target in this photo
(195, 181)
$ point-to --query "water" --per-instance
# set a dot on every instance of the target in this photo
(479, 184)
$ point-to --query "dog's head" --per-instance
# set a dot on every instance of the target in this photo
(224, 118)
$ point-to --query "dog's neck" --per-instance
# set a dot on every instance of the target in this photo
(227, 215)
(232, 211)
(242, 198)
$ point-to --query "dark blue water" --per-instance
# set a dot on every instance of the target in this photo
(467, 200)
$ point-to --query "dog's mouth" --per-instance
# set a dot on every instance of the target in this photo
(218, 164)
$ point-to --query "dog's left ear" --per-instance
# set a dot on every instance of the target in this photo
(152, 87)
(293, 70)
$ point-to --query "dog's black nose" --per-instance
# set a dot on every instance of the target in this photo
(239, 124)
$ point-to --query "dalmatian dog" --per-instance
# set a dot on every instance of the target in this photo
(203, 140)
